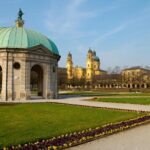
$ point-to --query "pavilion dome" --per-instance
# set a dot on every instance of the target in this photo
(20, 37)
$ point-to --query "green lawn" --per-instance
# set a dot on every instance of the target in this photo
(96, 93)
(139, 100)
(21, 123)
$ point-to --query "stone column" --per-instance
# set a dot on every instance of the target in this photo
(145, 86)
(56, 81)
(46, 81)
(4, 82)
(25, 80)
(7, 83)
(53, 80)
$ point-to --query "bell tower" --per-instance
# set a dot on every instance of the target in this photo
(89, 66)
(69, 67)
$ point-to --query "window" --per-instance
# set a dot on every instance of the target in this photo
(16, 65)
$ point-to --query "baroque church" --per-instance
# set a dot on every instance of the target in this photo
(92, 67)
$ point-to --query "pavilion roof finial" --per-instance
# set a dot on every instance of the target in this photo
(20, 14)
(20, 21)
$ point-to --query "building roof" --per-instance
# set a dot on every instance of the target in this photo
(135, 67)
(20, 37)
(103, 70)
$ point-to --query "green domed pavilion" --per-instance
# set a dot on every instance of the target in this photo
(29, 61)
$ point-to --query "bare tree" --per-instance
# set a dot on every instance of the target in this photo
(116, 70)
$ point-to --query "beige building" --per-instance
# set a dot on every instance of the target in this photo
(135, 74)
(28, 63)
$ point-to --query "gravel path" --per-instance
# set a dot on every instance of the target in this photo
(133, 139)
(83, 102)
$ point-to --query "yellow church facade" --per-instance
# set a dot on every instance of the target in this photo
(92, 67)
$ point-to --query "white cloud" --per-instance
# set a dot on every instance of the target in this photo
(119, 28)
(70, 18)
(108, 34)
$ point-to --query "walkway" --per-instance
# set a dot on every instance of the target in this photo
(133, 139)
(83, 101)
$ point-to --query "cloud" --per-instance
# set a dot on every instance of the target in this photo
(68, 19)
(132, 21)
(69, 22)
(108, 34)
(71, 17)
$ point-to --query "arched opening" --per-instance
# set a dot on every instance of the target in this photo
(142, 86)
(129, 86)
(36, 81)
(0, 79)
(133, 86)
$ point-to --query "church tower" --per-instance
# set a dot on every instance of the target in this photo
(96, 64)
(69, 67)
(89, 66)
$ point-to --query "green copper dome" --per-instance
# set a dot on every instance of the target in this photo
(96, 58)
(19, 37)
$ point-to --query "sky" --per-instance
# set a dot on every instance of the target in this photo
(118, 30)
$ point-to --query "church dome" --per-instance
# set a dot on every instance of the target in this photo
(96, 58)
(20, 37)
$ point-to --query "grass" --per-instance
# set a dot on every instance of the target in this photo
(22, 123)
(139, 100)
(122, 97)
(96, 93)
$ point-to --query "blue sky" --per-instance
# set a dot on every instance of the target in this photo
(119, 30)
